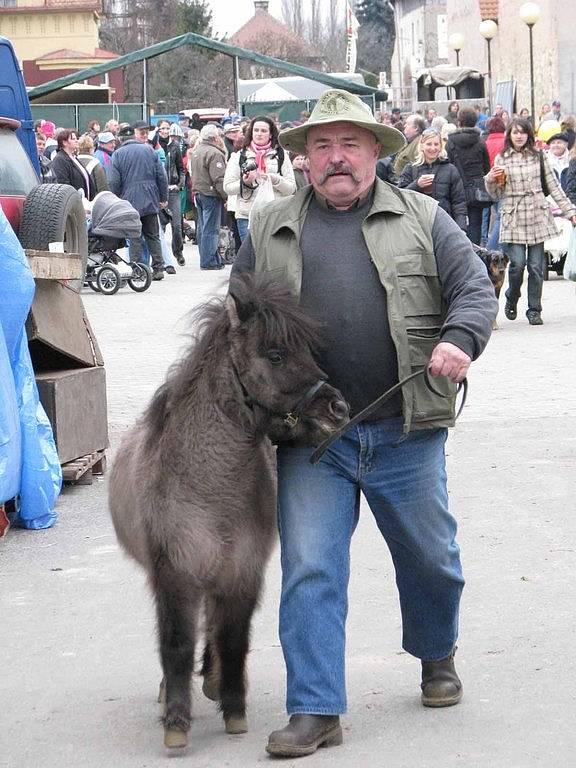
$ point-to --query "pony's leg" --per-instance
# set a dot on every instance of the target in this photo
(177, 601)
(232, 635)
(210, 660)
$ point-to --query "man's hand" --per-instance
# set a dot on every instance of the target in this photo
(449, 360)
(164, 204)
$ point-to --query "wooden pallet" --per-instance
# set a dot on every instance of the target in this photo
(81, 470)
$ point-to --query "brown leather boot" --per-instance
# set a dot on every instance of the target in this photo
(441, 686)
(304, 734)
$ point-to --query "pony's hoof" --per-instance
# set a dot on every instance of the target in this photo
(175, 739)
(235, 725)
(211, 688)
(162, 692)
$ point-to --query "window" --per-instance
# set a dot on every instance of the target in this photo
(17, 177)
(7, 3)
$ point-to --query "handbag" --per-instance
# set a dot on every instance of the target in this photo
(543, 182)
(476, 194)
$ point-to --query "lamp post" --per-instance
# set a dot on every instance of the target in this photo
(488, 29)
(530, 13)
(456, 42)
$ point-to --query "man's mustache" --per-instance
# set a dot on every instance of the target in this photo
(335, 169)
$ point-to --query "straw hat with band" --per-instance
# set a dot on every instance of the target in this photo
(336, 106)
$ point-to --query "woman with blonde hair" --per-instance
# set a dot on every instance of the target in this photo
(433, 174)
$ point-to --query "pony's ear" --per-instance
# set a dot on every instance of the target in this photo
(237, 311)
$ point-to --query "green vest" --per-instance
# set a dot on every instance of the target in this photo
(398, 234)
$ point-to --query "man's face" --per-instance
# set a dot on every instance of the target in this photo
(40, 144)
(141, 134)
(112, 126)
(109, 146)
(342, 158)
(410, 130)
(558, 147)
(498, 110)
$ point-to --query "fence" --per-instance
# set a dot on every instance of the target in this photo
(79, 115)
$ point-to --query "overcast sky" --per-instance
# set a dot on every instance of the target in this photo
(229, 15)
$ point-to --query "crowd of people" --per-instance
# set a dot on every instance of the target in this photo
(205, 178)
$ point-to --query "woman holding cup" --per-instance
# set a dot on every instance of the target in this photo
(521, 178)
(433, 174)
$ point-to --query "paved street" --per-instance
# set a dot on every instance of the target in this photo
(79, 663)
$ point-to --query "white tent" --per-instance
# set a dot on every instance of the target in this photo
(271, 91)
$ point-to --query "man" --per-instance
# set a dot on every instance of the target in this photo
(557, 110)
(136, 174)
(413, 128)
(112, 126)
(208, 167)
(430, 115)
(420, 297)
(45, 169)
(106, 147)
(169, 139)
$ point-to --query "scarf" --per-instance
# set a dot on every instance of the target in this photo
(260, 152)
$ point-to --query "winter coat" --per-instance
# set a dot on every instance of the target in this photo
(494, 145)
(136, 174)
(468, 152)
(526, 216)
(65, 171)
(447, 187)
(174, 165)
(283, 187)
(571, 182)
(98, 180)
(207, 168)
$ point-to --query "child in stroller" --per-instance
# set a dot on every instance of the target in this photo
(109, 268)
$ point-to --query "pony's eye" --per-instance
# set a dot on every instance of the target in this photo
(274, 356)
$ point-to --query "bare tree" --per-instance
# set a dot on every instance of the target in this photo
(293, 15)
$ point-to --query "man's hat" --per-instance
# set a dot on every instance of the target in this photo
(106, 137)
(125, 131)
(231, 128)
(562, 136)
(336, 106)
(140, 125)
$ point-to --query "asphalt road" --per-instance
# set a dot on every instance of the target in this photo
(79, 668)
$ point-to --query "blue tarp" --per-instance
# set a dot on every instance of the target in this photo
(29, 464)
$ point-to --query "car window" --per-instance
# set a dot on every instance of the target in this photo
(17, 176)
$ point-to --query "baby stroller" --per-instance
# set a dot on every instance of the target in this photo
(109, 267)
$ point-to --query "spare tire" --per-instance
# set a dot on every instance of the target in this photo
(53, 213)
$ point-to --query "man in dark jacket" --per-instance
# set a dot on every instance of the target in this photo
(169, 139)
(208, 167)
(468, 152)
(136, 174)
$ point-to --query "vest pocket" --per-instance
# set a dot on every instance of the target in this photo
(428, 406)
(420, 295)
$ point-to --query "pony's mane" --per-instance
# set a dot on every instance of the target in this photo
(264, 304)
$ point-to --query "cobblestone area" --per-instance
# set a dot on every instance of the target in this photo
(80, 668)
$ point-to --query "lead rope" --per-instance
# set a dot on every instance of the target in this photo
(323, 447)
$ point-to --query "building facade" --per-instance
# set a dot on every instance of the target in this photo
(53, 38)
(421, 42)
(553, 46)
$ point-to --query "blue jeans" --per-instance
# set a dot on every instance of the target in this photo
(493, 243)
(516, 252)
(208, 229)
(242, 228)
(403, 478)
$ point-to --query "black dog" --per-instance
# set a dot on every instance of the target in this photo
(495, 263)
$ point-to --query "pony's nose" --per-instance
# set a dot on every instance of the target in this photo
(339, 409)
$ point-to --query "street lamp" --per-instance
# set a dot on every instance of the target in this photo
(530, 13)
(489, 29)
(456, 42)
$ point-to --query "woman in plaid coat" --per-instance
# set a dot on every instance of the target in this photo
(516, 179)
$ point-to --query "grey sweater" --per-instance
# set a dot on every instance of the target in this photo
(341, 287)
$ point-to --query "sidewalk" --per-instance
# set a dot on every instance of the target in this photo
(80, 669)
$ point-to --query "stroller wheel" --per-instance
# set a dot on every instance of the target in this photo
(141, 278)
(92, 284)
(108, 280)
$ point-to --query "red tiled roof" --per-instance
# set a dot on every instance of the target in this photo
(262, 26)
(488, 9)
(56, 5)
